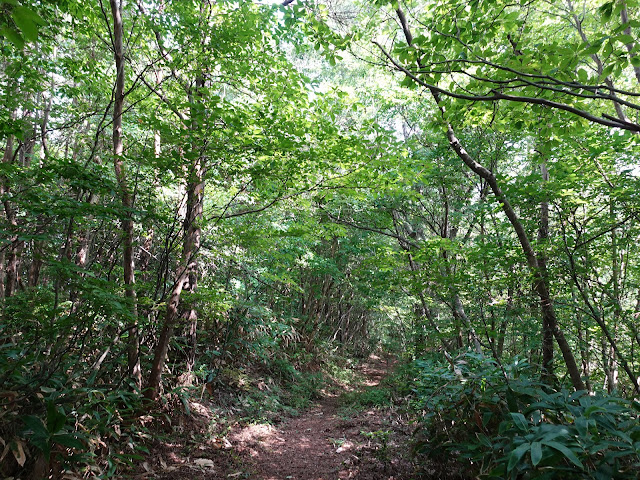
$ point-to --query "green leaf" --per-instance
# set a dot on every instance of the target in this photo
(55, 418)
(13, 36)
(625, 39)
(67, 440)
(484, 440)
(607, 71)
(516, 455)
(635, 61)
(536, 453)
(606, 10)
(512, 402)
(593, 409)
(593, 49)
(36, 426)
(408, 82)
(583, 77)
(26, 20)
(520, 421)
(582, 426)
(566, 452)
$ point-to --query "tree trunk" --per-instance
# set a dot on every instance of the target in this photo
(36, 263)
(583, 340)
(615, 280)
(426, 311)
(133, 356)
(547, 323)
(2, 275)
(460, 314)
(540, 285)
(195, 197)
(616, 353)
(11, 271)
(187, 274)
(539, 282)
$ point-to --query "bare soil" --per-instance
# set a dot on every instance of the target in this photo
(323, 444)
(326, 442)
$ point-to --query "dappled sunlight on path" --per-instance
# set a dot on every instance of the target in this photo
(320, 444)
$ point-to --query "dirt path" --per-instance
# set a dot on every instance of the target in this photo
(322, 444)
(328, 441)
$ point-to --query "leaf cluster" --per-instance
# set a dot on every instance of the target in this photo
(506, 424)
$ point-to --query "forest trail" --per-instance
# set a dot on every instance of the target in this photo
(340, 436)
(326, 444)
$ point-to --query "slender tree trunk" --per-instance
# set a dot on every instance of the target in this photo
(187, 274)
(147, 246)
(583, 340)
(195, 197)
(460, 314)
(457, 308)
(13, 262)
(37, 248)
(82, 253)
(547, 323)
(616, 353)
(636, 315)
(83, 240)
(426, 311)
(171, 315)
(126, 196)
(539, 282)
(615, 280)
(36, 263)
(606, 360)
(2, 276)
(11, 270)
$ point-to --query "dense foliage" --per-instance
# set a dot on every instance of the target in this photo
(509, 425)
(229, 198)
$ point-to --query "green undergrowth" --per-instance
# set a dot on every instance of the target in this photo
(281, 386)
(376, 397)
(59, 416)
(389, 393)
(267, 395)
(62, 412)
(503, 423)
(342, 372)
(59, 413)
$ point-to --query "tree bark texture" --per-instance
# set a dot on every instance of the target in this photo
(186, 280)
(187, 272)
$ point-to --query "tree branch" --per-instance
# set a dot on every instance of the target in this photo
(495, 96)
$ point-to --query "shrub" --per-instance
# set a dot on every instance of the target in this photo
(508, 425)
(370, 397)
